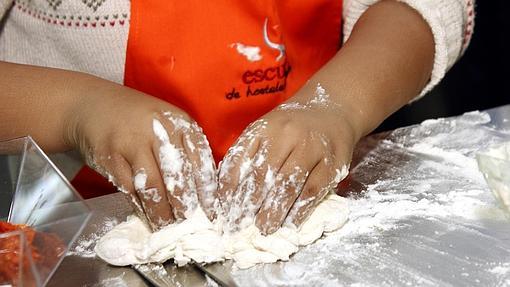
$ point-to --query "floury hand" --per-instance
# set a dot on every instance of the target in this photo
(160, 159)
(284, 164)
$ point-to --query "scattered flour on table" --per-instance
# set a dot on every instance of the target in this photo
(446, 181)
(435, 178)
(112, 282)
(501, 269)
(426, 173)
(210, 282)
(84, 245)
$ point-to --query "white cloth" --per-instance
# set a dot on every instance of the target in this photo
(451, 22)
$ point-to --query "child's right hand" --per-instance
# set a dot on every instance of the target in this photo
(151, 150)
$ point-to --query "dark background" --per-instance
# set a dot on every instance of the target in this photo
(478, 81)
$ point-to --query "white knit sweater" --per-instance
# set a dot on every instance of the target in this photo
(80, 35)
(451, 22)
(91, 35)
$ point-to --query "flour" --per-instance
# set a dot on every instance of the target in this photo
(415, 190)
(174, 166)
(198, 239)
(84, 245)
(151, 194)
(112, 282)
(178, 122)
(252, 53)
(171, 158)
(501, 269)
(320, 99)
(239, 196)
(210, 282)
(380, 208)
(140, 179)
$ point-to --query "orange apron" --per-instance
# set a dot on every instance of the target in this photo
(226, 63)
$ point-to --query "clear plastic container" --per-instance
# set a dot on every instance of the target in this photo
(495, 166)
(35, 193)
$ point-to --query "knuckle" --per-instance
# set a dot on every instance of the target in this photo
(287, 124)
(291, 128)
(114, 163)
(153, 181)
(311, 189)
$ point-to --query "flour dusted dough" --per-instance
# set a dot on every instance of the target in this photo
(196, 238)
(494, 166)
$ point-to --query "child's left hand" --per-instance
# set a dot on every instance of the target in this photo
(285, 163)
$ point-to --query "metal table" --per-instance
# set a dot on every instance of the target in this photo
(421, 214)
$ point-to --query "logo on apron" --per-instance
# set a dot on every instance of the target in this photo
(259, 81)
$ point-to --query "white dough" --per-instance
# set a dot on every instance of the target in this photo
(196, 238)
(495, 165)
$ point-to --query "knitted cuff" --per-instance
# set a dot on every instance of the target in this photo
(451, 22)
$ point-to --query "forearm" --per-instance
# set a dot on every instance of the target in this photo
(40, 102)
(384, 64)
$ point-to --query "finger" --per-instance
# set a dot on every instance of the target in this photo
(175, 167)
(289, 184)
(323, 178)
(149, 186)
(254, 188)
(118, 172)
(203, 168)
(236, 165)
(242, 170)
(318, 184)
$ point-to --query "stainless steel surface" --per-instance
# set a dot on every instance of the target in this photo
(425, 249)
(219, 272)
(155, 273)
(77, 270)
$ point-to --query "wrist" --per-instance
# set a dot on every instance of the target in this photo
(85, 91)
(339, 103)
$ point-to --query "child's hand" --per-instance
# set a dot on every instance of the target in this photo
(149, 149)
(285, 163)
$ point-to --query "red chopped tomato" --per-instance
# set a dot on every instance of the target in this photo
(46, 250)
(10, 252)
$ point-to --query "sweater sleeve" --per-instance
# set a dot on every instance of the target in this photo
(451, 22)
(4, 6)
